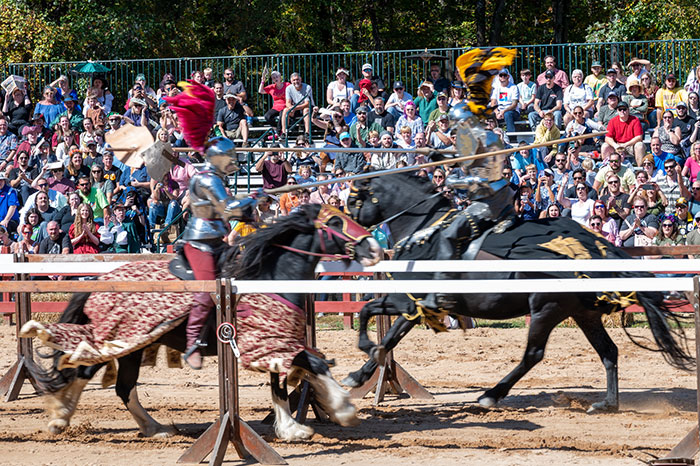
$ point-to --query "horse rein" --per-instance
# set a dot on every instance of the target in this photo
(352, 233)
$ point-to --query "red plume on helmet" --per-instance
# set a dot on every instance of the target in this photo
(195, 111)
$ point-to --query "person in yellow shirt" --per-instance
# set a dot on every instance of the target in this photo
(668, 96)
(596, 79)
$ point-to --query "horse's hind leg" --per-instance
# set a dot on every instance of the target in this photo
(286, 427)
(127, 376)
(62, 404)
(334, 400)
(598, 337)
(543, 322)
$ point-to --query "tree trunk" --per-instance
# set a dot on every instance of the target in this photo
(559, 7)
(497, 22)
(480, 20)
(376, 38)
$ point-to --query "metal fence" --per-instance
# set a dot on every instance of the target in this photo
(318, 69)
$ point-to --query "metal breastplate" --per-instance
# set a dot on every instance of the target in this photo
(206, 190)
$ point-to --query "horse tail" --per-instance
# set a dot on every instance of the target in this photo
(667, 331)
(51, 380)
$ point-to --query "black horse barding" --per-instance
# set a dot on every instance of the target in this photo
(409, 204)
(288, 249)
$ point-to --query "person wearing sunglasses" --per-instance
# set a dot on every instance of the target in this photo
(673, 185)
(581, 206)
(616, 201)
(397, 100)
(274, 168)
(640, 227)
(608, 225)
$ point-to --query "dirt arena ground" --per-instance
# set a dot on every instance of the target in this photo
(543, 421)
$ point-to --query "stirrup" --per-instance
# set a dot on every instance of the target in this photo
(195, 347)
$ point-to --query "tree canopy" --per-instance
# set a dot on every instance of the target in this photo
(57, 30)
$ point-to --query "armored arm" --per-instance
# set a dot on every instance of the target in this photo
(212, 188)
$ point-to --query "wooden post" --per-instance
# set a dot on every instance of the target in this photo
(229, 427)
(390, 375)
(11, 383)
(690, 445)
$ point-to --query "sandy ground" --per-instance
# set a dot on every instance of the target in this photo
(543, 421)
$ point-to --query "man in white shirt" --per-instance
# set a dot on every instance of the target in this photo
(504, 99)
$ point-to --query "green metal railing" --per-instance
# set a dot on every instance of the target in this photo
(318, 69)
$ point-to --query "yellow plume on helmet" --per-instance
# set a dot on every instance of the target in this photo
(477, 68)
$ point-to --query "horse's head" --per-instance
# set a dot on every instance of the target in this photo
(372, 201)
(343, 238)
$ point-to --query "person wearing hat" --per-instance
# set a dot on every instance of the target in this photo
(639, 66)
(349, 161)
(360, 129)
(548, 99)
(231, 120)
(138, 113)
(683, 217)
(612, 86)
(397, 100)
(668, 96)
(443, 107)
(560, 77)
(458, 94)
(438, 134)
(673, 184)
(596, 79)
(16, 109)
(546, 191)
(426, 101)
(608, 111)
(364, 86)
(75, 117)
(339, 89)
(504, 100)
(624, 136)
(637, 102)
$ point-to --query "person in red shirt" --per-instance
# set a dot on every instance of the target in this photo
(624, 136)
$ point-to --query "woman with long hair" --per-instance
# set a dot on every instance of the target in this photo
(694, 105)
(649, 89)
(581, 207)
(33, 219)
(692, 163)
(411, 119)
(340, 89)
(83, 232)
(17, 108)
(48, 106)
(100, 90)
(669, 234)
(66, 216)
(669, 135)
(456, 94)
(552, 211)
(608, 227)
(76, 168)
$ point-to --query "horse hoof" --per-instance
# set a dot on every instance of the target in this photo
(57, 426)
(296, 433)
(350, 382)
(602, 407)
(379, 355)
(487, 402)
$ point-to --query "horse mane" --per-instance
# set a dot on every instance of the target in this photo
(258, 247)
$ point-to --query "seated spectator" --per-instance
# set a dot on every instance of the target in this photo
(83, 232)
(33, 220)
(683, 217)
(608, 111)
(639, 67)
(637, 102)
(138, 114)
(442, 108)
(265, 212)
(138, 179)
(624, 136)
(426, 101)
(48, 107)
(306, 159)
(595, 223)
(380, 115)
(397, 100)
(649, 89)
(547, 131)
(75, 117)
(457, 94)
(274, 169)
(673, 184)
(94, 112)
(405, 139)
(577, 176)
(22, 176)
(299, 99)
(41, 159)
(25, 244)
(596, 80)
(559, 76)
(410, 119)
(614, 166)
(114, 174)
(581, 206)
(62, 88)
(167, 83)
(340, 89)
(8, 144)
(120, 235)
(100, 90)
(548, 99)
(578, 94)
(694, 105)
(277, 90)
(553, 211)
(669, 234)
(658, 158)
(90, 155)
(546, 192)
(55, 242)
(384, 160)
(612, 86)
(56, 199)
(651, 193)
(61, 129)
(349, 161)
(668, 97)
(322, 193)
(289, 200)
(616, 201)
(361, 92)
(504, 100)
(359, 130)
(334, 201)
(580, 125)
(525, 157)
(608, 228)
(304, 196)
(232, 121)
(525, 206)
(690, 128)
(669, 135)
(526, 89)
(640, 227)
(95, 198)
(438, 134)
(75, 168)
(440, 83)
(304, 175)
(16, 109)
(691, 167)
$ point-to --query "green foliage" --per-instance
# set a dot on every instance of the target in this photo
(25, 34)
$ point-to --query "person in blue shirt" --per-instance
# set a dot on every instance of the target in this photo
(9, 205)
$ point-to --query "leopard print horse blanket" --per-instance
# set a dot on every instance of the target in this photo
(270, 329)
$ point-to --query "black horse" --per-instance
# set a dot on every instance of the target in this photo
(410, 205)
(288, 249)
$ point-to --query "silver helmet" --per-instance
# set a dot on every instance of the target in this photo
(220, 154)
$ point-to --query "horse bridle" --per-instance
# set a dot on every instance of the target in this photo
(351, 233)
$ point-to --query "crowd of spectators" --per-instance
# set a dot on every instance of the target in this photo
(62, 190)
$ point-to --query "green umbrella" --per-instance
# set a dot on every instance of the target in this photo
(90, 68)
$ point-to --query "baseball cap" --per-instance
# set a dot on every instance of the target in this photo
(137, 101)
(548, 172)
(3, 176)
(68, 98)
(504, 71)
(367, 66)
(622, 105)
(670, 76)
(442, 94)
(681, 104)
(229, 96)
(344, 135)
(614, 96)
(681, 202)
(398, 84)
(89, 141)
(443, 116)
(361, 109)
(37, 116)
(140, 77)
(548, 74)
(596, 63)
(611, 71)
(119, 205)
(342, 70)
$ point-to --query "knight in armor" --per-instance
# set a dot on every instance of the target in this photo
(212, 207)
(490, 195)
